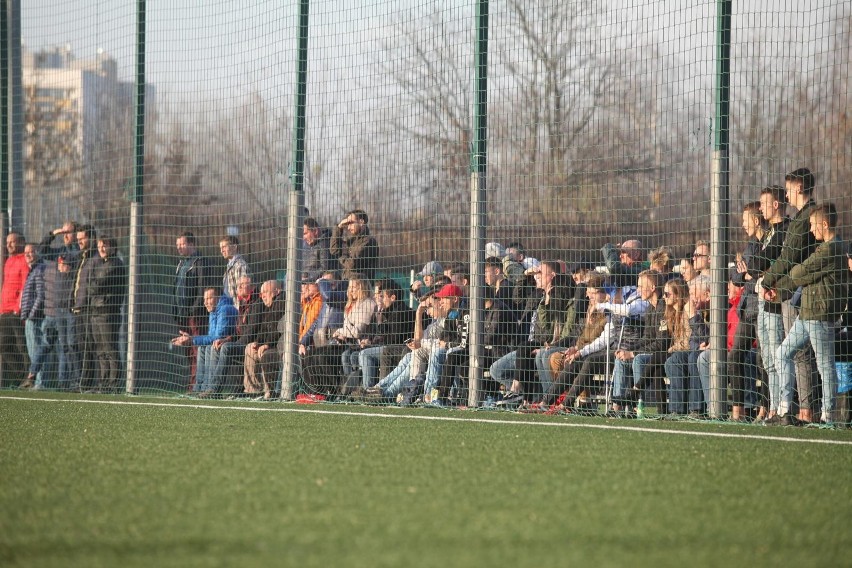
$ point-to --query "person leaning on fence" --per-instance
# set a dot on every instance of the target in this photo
(355, 249)
(823, 277)
(322, 371)
(236, 269)
(32, 312)
(221, 321)
(798, 245)
(262, 363)
(107, 292)
(13, 347)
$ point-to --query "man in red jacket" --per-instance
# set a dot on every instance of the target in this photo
(13, 347)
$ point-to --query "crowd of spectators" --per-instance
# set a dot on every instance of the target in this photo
(624, 330)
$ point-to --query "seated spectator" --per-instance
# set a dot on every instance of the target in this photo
(660, 259)
(426, 278)
(262, 361)
(222, 320)
(309, 317)
(333, 295)
(623, 331)
(676, 359)
(629, 370)
(624, 261)
(701, 258)
(392, 325)
(453, 342)
(699, 340)
(228, 352)
(322, 371)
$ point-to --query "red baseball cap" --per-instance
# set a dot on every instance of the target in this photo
(450, 290)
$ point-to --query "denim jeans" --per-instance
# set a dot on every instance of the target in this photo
(368, 360)
(33, 336)
(393, 384)
(222, 360)
(820, 335)
(57, 333)
(703, 365)
(677, 370)
(542, 365)
(626, 374)
(349, 360)
(204, 369)
(770, 334)
(503, 368)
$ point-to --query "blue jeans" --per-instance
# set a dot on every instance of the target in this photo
(770, 334)
(204, 369)
(697, 395)
(433, 372)
(57, 333)
(820, 335)
(703, 365)
(349, 361)
(222, 360)
(368, 360)
(677, 370)
(503, 368)
(33, 336)
(627, 374)
(396, 379)
(542, 366)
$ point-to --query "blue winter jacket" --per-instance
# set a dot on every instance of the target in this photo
(222, 322)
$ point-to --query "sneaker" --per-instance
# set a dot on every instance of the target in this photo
(511, 400)
(27, 383)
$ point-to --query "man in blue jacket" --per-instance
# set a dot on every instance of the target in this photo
(222, 321)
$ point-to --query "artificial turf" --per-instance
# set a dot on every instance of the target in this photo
(185, 484)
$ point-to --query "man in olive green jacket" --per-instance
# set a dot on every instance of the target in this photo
(823, 278)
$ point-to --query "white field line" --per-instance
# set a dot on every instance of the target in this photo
(441, 419)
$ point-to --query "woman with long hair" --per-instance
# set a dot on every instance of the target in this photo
(322, 369)
(676, 322)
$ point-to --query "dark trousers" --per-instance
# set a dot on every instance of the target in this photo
(13, 349)
(85, 348)
(322, 371)
(105, 326)
(738, 370)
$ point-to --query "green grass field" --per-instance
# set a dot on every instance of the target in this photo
(165, 482)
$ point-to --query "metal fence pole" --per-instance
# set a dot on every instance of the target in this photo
(296, 212)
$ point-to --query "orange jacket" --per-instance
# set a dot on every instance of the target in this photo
(310, 314)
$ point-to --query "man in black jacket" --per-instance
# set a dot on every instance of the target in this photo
(262, 361)
(86, 259)
(107, 290)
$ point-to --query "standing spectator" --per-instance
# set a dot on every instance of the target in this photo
(58, 325)
(770, 333)
(315, 249)
(86, 261)
(13, 346)
(798, 245)
(69, 246)
(221, 320)
(108, 288)
(353, 246)
(237, 267)
(192, 276)
(823, 278)
(32, 310)
(262, 361)
(660, 259)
